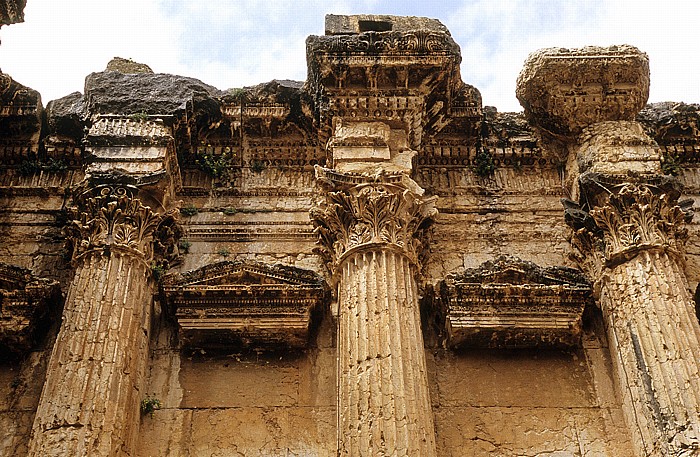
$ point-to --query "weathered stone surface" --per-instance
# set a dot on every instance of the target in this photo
(565, 90)
(234, 304)
(617, 148)
(127, 66)
(20, 121)
(114, 92)
(360, 23)
(12, 11)
(382, 126)
(24, 308)
(513, 303)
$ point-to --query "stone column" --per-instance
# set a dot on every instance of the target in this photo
(369, 229)
(632, 247)
(90, 401)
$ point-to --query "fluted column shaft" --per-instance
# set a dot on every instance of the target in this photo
(384, 403)
(90, 401)
(370, 232)
(89, 405)
(631, 242)
(655, 338)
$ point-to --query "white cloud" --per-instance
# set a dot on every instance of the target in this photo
(496, 38)
(232, 43)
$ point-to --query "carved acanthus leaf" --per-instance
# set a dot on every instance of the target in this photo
(371, 214)
(632, 218)
(110, 217)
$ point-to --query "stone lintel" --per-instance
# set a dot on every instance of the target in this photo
(565, 90)
(513, 303)
(244, 304)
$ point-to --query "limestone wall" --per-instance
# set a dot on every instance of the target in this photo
(257, 223)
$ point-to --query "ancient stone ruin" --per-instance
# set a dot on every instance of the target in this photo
(367, 263)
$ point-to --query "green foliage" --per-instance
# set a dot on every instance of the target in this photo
(184, 245)
(257, 166)
(189, 210)
(223, 252)
(239, 94)
(670, 165)
(229, 211)
(215, 165)
(149, 405)
(157, 270)
(483, 164)
(139, 117)
(31, 167)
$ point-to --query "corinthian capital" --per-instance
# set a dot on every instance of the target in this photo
(628, 218)
(380, 212)
(110, 218)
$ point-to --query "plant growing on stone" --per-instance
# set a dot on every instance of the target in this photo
(157, 270)
(230, 211)
(215, 165)
(149, 405)
(223, 252)
(670, 165)
(484, 165)
(239, 94)
(139, 117)
(257, 166)
(30, 167)
(189, 210)
(184, 245)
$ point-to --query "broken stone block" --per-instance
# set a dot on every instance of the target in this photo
(565, 90)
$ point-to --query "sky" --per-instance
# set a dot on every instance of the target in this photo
(236, 43)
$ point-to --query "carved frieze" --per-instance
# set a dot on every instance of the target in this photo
(383, 211)
(513, 303)
(243, 303)
(24, 305)
(628, 217)
(113, 218)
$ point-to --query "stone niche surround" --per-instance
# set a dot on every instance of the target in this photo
(249, 271)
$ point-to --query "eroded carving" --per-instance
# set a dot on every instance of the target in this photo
(244, 303)
(113, 218)
(565, 90)
(381, 212)
(634, 216)
(513, 303)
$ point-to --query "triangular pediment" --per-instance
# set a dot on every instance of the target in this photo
(513, 270)
(229, 273)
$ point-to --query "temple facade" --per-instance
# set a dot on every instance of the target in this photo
(366, 263)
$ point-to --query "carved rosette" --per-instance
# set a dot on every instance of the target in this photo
(633, 218)
(112, 218)
(372, 215)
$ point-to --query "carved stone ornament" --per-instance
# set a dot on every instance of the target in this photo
(113, 218)
(513, 303)
(378, 213)
(230, 304)
(632, 218)
(24, 303)
(12, 11)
